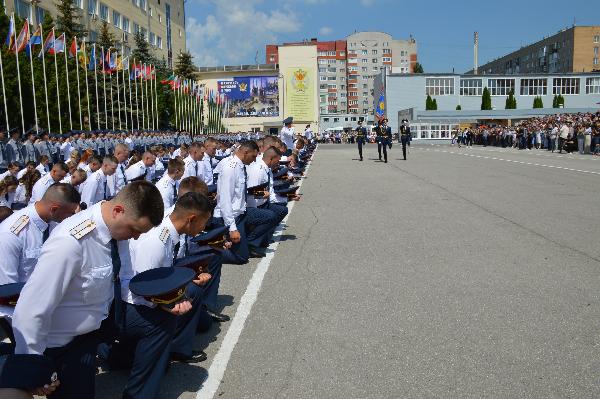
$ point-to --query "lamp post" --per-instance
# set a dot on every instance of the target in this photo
(34, 4)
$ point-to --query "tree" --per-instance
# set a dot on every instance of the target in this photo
(142, 52)
(184, 66)
(511, 101)
(538, 102)
(558, 101)
(418, 68)
(458, 107)
(486, 100)
(68, 15)
(434, 104)
(106, 39)
(428, 103)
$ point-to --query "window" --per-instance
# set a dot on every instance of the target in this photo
(142, 4)
(501, 87)
(364, 69)
(322, 70)
(596, 51)
(374, 60)
(116, 19)
(471, 87)
(597, 39)
(364, 52)
(331, 70)
(331, 61)
(364, 61)
(40, 13)
(331, 86)
(144, 33)
(595, 61)
(439, 86)
(342, 79)
(534, 87)
(104, 12)
(323, 86)
(152, 38)
(150, 11)
(126, 25)
(93, 35)
(23, 9)
(331, 78)
(323, 61)
(387, 51)
(342, 53)
(159, 42)
(374, 52)
(323, 78)
(565, 86)
(592, 85)
(92, 7)
(387, 59)
(78, 3)
(375, 69)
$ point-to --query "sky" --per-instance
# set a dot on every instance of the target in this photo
(231, 32)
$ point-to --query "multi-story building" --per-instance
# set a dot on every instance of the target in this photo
(347, 68)
(569, 51)
(162, 22)
(368, 54)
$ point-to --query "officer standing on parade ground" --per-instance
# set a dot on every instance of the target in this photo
(404, 136)
(384, 137)
(361, 136)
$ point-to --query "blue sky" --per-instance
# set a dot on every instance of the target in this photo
(230, 32)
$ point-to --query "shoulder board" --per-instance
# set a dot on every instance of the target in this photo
(19, 224)
(83, 229)
(164, 235)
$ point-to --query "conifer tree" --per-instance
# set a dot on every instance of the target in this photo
(486, 100)
(67, 19)
(184, 66)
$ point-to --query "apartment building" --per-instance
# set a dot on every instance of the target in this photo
(162, 22)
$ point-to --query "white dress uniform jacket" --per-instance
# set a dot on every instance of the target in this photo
(136, 170)
(70, 290)
(287, 136)
(40, 187)
(231, 192)
(258, 173)
(95, 188)
(168, 190)
(193, 168)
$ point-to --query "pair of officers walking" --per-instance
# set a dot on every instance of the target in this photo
(383, 137)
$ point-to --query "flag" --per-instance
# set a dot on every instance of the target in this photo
(73, 50)
(58, 45)
(112, 62)
(83, 55)
(125, 64)
(11, 32)
(35, 39)
(23, 38)
(380, 112)
(168, 80)
(92, 64)
(48, 43)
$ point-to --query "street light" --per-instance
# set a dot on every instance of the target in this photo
(34, 4)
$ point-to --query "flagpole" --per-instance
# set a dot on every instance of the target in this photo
(119, 93)
(4, 92)
(175, 108)
(156, 98)
(78, 85)
(104, 89)
(37, 130)
(137, 104)
(142, 96)
(68, 85)
(19, 78)
(130, 92)
(96, 80)
(124, 92)
(149, 117)
(87, 86)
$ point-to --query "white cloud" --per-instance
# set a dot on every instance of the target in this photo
(325, 30)
(235, 30)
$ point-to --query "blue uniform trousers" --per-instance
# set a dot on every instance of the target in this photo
(76, 364)
(280, 211)
(259, 222)
(188, 323)
(238, 254)
(211, 289)
(148, 332)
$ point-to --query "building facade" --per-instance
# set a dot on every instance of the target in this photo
(162, 22)
(569, 51)
(405, 96)
(347, 68)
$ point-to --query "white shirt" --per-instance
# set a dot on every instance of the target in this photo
(231, 192)
(308, 134)
(21, 194)
(168, 189)
(119, 178)
(151, 250)
(8, 199)
(95, 188)
(136, 170)
(40, 187)
(287, 136)
(22, 173)
(258, 173)
(65, 149)
(5, 174)
(193, 168)
(71, 288)
(207, 170)
(42, 169)
(129, 143)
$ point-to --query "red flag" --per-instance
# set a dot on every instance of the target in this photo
(73, 49)
(23, 38)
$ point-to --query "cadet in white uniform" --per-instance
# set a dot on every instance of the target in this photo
(58, 172)
(288, 134)
(96, 187)
(23, 233)
(141, 170)
(69, 293)
(169, 183)
(193, 162)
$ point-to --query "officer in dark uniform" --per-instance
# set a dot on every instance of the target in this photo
(404, 136)
(384, 137)
(361, 137)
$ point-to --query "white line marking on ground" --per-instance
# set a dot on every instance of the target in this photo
(219, 364)
(513, 161)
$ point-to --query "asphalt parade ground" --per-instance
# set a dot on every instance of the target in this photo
(460, 273)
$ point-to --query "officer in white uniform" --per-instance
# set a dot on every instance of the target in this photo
(141, 170)
(288, 134)
(120, 180)
(193, 162)
(23, 233)
(68, 295)
(58, 172)
(169, 183)
(96, 187)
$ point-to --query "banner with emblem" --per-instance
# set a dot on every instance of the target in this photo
(300, 94)
(250, 96)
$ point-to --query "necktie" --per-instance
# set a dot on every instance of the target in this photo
(245, 182)
(105, 184)
(46, 234)
(116, 261)
(196, 168)
(174, 192)
(123, 171)
(176, 250)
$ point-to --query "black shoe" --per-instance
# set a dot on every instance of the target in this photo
(196, 357)
(218, 317)
(256, 253)
(385, 161)
(361, 159)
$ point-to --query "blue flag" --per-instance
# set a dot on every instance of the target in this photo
(92, 64)
(380, 112)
